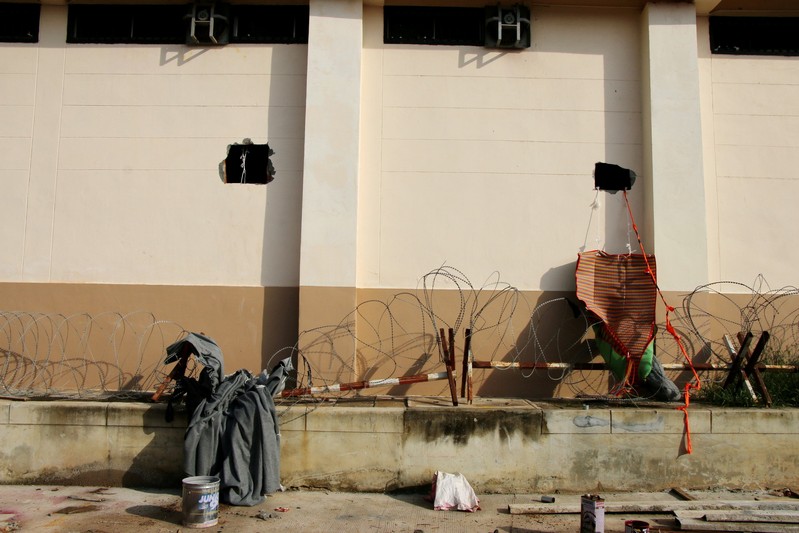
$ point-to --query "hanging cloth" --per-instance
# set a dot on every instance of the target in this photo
(613, 288)
(619, 291)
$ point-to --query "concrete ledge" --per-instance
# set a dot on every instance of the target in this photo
(659, 421)
(505, 447)
(355, 420)
(576, 422)
(58, 413)
(124, 414)
(767, 421)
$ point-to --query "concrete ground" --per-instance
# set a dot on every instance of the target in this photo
(123, 510)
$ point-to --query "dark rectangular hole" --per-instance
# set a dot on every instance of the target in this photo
(754, 35)
(270, 24)
(168, 24)
(433, 25)
(19, 23)
(248, 163)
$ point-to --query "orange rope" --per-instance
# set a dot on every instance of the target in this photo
(697, 384)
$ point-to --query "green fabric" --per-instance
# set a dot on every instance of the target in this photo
(618, 363)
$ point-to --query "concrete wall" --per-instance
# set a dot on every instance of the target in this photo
(499, 445)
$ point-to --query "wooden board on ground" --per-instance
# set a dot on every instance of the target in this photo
(751, 515)
(682, 494)
(688, 520)
(659, 506)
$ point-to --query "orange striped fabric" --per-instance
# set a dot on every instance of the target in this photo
(620, 292)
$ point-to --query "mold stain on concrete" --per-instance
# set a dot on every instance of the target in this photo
(654, 426)
(460, 425)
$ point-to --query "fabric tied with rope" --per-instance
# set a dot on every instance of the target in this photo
(622, 290)
(618, 289)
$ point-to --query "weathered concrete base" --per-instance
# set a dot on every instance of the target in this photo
(501, 446)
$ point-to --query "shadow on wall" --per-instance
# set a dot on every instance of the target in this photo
(555, 332)
(160, 461)
(280, 323)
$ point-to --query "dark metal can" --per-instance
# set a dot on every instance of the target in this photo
(636, 526)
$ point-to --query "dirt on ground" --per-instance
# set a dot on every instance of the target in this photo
(124, 510)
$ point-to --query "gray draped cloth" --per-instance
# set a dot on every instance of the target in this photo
(233, 433)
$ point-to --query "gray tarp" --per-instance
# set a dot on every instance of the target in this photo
(206, 351)
(234, 434)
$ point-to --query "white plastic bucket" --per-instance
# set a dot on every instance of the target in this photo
(200, 501)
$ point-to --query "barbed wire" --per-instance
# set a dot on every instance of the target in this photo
(120, 356)
(82, 356)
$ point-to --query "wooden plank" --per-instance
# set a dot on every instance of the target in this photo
(738, 360)
(688, 521)
(754, 358)
(467, 338)
(658, 506)
(682, 494)
(449, 363)
(758, 377)
(743, 515)
(752, 521)
(752, 371)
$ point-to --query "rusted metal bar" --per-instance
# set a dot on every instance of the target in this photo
(343, 387)
(526, 365)
(601, 366)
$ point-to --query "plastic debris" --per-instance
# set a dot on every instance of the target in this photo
(452, 491)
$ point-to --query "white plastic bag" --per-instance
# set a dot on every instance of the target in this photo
(452, 491)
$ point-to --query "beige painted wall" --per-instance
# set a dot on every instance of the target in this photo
(751, 128)
(483, 159)
(113, 174)
(17, 100)
(477, 158)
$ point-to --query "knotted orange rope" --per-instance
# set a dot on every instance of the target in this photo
(697, 383)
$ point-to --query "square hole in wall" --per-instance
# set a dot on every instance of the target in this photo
(248, 163)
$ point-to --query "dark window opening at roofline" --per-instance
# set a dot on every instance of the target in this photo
(434, 25)
(744, 35)
(495, 26)
(200, 23)
(19, 23)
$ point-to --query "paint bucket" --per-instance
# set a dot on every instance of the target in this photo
(636, 526)
(592, 514)
(200, 501)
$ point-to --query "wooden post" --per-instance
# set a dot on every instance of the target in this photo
(751, 369)
(449, 362)
(738, 360)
